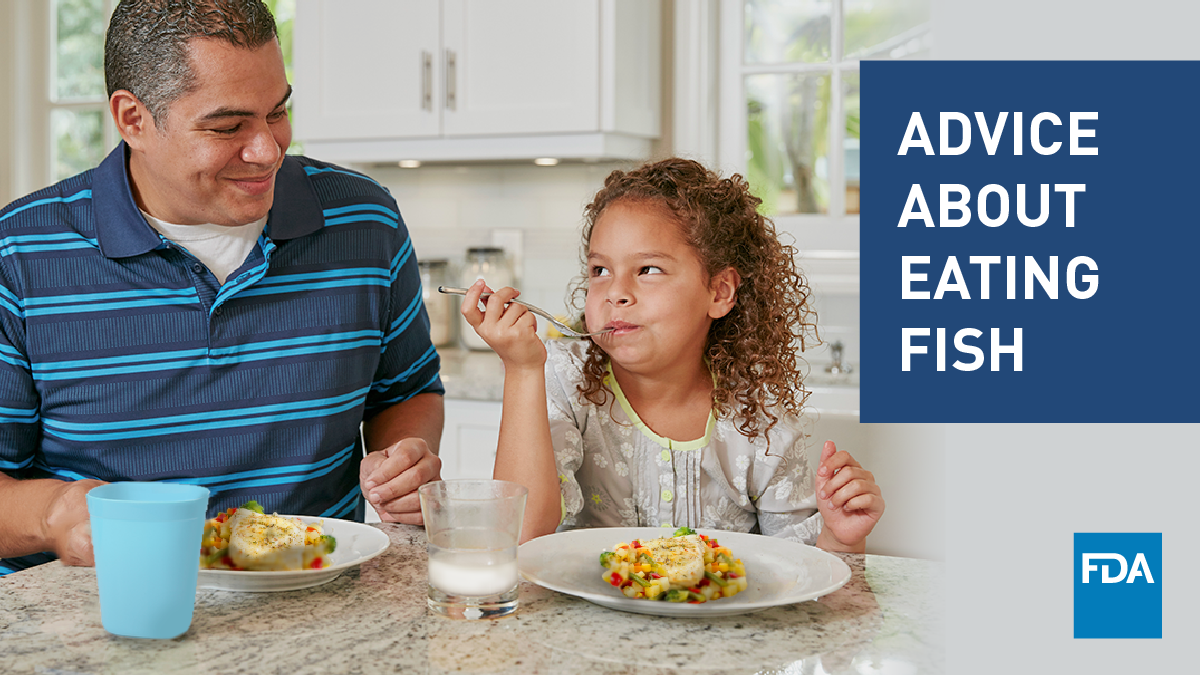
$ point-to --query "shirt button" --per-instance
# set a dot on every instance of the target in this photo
(218, 311)
(666, 455)
(198, 268)
(666, 495)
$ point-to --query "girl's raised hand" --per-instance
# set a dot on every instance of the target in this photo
(849, 501)
(509, 329)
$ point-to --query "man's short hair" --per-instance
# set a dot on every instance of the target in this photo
(146, 50)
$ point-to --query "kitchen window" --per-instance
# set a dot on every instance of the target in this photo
(81, 131)
(792, 125)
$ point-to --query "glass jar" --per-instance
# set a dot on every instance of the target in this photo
(440, 307)
(495, 268)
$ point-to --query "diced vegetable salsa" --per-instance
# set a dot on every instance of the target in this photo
(642, 571)
(214, 543)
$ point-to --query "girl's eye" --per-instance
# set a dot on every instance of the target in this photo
(598, 271)
(651, 269)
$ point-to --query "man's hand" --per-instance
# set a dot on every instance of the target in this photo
(849, 501)
(390, 478)
(66, 523)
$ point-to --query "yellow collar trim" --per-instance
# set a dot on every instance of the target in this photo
(667, 443)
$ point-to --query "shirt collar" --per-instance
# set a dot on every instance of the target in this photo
(120, 227)
(297, 210)
(123, 232)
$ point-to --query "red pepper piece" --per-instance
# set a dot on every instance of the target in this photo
(617, 579)
(655, 575)
(228, 561)
(220, 517)
(317, 562)
(732, 575)
(704, 582)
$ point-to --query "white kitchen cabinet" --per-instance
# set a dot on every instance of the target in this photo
(384, 80)
(469, 438)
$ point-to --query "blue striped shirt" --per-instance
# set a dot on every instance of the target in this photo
(122, 358)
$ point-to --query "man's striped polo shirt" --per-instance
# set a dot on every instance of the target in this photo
(121, 358)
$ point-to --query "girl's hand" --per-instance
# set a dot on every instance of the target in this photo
(509, 330)
(849, 501)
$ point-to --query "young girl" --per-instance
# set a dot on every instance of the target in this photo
(686, 412)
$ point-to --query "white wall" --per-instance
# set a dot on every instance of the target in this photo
(450, 208)
(8, 57)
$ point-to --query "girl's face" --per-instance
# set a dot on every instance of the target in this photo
(647, 283)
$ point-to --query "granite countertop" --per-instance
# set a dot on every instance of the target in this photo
(472, 375)
(886, 619)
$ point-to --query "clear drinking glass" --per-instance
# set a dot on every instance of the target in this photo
(472, 528)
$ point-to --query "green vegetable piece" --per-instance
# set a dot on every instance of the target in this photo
(216, 557)
(605, 557)
(683, 531)
(716, 579)
(725, 559)
(696, 596)
(330, 543)
(676, 596)
(253, 506)
(638, 578)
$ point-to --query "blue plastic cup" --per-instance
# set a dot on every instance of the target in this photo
(146, 540)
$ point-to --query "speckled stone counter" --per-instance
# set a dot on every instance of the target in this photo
(887, 619)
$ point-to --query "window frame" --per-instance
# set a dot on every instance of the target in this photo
(109, 133)
(832, 235)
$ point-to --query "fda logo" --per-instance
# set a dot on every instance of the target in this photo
(1118, 585)
(1140, 568)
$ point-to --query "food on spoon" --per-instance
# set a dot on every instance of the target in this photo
(686, 567)
(248, 539)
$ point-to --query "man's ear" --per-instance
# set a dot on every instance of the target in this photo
(723, 286)
(132, 117)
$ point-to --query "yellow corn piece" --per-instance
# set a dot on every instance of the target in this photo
(722, 567)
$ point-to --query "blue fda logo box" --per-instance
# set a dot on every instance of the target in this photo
(1118, 585)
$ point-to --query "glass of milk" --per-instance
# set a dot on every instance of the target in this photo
(472, 528)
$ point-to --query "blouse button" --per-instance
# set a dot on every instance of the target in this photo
(666, 495)
(666, 455)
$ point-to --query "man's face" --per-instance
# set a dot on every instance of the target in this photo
(214, 158)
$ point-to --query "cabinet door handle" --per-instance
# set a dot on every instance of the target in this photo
(451, 80)
(426, 81)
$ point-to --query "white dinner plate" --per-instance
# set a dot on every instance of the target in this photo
(779, 572)
(356, 544)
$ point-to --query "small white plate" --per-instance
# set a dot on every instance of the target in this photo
(356, 544)
(779, 572)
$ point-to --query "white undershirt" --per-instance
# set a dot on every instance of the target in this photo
(222, 249)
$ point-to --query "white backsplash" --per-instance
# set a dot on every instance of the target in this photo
(450, 208)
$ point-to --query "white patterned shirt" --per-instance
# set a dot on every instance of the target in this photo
(615, 471)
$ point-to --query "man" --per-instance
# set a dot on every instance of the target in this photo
(201, 309)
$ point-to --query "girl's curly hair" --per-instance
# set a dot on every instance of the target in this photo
(752, 350)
